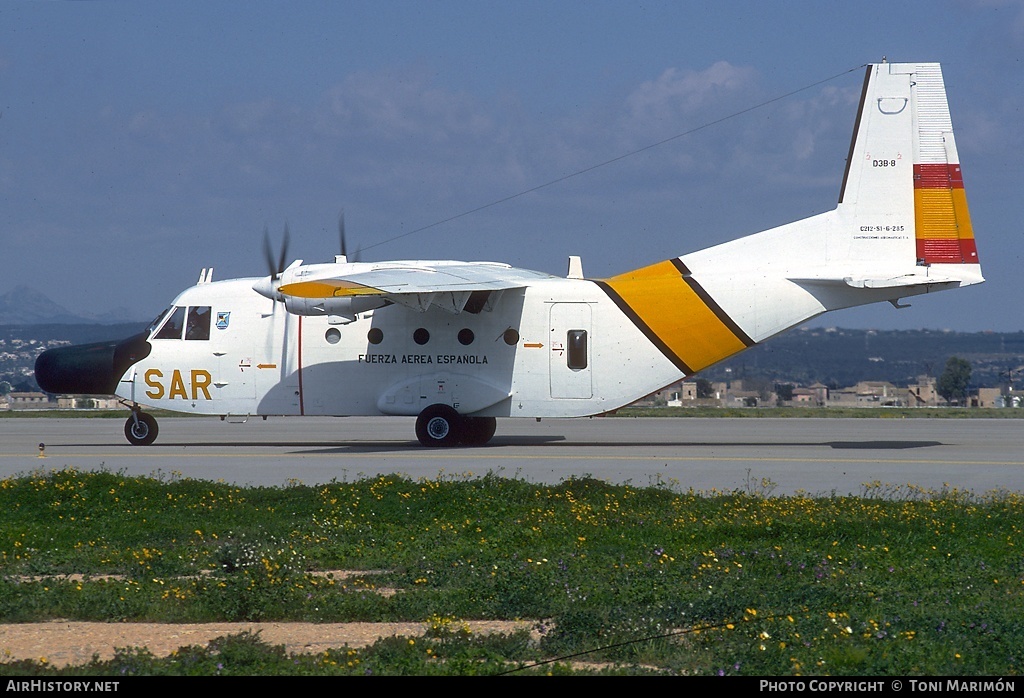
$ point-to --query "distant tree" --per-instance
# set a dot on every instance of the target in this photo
(762, 385)
(704, 387)
(953, 382)
(784, 391)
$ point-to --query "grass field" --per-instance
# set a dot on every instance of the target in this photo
(698, 412)
(826, 412)
(898, 581)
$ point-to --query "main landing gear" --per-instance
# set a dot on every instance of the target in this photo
(437, 425)
(141, 428)
(440, 425)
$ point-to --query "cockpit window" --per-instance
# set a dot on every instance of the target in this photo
(173, 325)
(195, 321)
(156, 321)
(198, 325)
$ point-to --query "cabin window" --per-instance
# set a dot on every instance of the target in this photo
(421, 336)
(173, 325)
(198, 325)
(466, 336)
(576, 342)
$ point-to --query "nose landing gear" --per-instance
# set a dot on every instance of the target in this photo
(141, 428)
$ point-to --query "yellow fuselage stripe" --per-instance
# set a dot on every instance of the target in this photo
(684, 324)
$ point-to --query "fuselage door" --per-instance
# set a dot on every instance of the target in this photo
(570, 359)
(231, 344)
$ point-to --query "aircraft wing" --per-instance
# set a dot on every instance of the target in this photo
(418, 285)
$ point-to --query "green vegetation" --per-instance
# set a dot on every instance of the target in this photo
(704, 412)
(827, 412)
(655, 579)
(87, 414)
(954, 381)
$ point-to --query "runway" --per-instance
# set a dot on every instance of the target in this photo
(773, 456)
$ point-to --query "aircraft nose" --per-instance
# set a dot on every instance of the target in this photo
(89, 369)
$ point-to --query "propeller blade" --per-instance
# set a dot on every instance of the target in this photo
(341, 233)
(283, 260)
(276, 267)
(344, 241)
(268, 253)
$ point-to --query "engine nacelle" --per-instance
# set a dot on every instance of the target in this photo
(346, 307)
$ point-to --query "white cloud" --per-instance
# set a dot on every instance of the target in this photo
(393, 108)
(677, 91)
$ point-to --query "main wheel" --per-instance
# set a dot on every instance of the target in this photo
(141, 429)
(439, 425)
(476, 431)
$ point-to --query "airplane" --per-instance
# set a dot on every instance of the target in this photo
(459, 344)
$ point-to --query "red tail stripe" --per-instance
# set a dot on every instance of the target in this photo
(948, 251)
(942, 176)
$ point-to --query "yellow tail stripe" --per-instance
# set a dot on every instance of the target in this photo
(942, 214)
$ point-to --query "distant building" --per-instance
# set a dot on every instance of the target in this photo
(868, 394)
(683, 394)
(815, 395)
(988, 397)
(82, 402)
(924, 393)
(29, 401)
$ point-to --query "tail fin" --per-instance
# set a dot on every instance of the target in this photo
(901, 228)
(903, 138)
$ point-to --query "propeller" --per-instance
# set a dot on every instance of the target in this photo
(268, 287)
(341, 236)
(276, 269)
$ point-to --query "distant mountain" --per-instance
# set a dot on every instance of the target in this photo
(26, 306)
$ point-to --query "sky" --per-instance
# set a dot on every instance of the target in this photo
(143, 141)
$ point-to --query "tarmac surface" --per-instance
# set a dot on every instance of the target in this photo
(816, 456)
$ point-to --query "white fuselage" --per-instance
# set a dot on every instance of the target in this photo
(511, 360)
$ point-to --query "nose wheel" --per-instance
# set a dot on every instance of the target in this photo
(141, 429)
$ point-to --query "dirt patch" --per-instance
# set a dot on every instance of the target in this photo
(64, 643)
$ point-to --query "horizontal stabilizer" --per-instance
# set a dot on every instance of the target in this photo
(904, 281)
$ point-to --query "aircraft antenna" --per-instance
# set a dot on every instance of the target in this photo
(631, 153)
